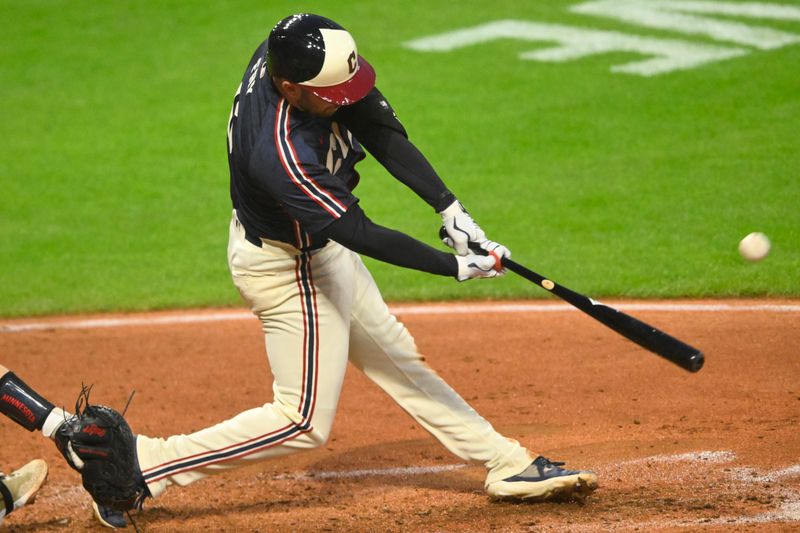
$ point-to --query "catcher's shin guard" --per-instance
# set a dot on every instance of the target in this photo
(21, 403)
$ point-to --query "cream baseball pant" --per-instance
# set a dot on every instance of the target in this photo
(318, 310)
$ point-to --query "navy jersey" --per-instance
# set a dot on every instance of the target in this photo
(292, 174)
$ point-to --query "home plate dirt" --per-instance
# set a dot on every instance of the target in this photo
(714, 451)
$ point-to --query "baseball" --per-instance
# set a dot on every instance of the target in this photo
(754, 247)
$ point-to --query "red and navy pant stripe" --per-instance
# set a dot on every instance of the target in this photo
(308, 302)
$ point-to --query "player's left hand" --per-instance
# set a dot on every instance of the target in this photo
(475, 266)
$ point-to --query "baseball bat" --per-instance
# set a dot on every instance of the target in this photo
(645, 335)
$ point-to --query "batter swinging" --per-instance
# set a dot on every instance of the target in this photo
(305, 108)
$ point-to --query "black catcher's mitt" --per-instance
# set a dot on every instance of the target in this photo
(98, 443)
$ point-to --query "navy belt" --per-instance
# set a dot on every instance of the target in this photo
(252, 239)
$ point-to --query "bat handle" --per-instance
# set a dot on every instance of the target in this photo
(476, 249)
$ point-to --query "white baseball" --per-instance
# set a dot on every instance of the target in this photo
(754, 247)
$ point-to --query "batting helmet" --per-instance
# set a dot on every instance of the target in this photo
(320, 55)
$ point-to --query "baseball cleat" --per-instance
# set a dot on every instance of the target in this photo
(22, 485)
(109, 517)
(544, 480)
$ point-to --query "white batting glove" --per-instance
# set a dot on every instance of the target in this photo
(495, 248)
(477, 266)
(460, 228)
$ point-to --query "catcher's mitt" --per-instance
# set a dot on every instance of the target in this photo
(98, 443)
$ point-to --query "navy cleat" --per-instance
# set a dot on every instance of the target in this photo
(109, 517)
(544, 480)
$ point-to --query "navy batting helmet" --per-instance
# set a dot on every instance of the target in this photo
(320, 55)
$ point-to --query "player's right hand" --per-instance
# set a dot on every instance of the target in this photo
(473, 266)
(460, 229)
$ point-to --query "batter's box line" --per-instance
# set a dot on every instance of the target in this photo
(705, 456)
(789, 510)
(701, 456)
(398, 471)
(751, 475)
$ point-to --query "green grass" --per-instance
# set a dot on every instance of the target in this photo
(113, 175)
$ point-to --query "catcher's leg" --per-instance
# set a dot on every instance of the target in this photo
(303, 302)
(385, 351)
(20, 487)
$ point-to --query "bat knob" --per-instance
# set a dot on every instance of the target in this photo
(696, 362)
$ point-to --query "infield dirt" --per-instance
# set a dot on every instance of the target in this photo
(717, 451)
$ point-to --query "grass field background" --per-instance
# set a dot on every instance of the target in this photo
(115, 184)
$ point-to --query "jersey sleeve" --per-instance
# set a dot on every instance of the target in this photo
(358, 233)
(376, 126)
(289, 165)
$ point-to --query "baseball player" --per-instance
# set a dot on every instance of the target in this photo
(20, 487)
(304, 114)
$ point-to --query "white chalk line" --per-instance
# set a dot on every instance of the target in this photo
(701, 456)
(751, 475)
(789, 511)
(402, 310)
(399, 472)
(694, 457)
